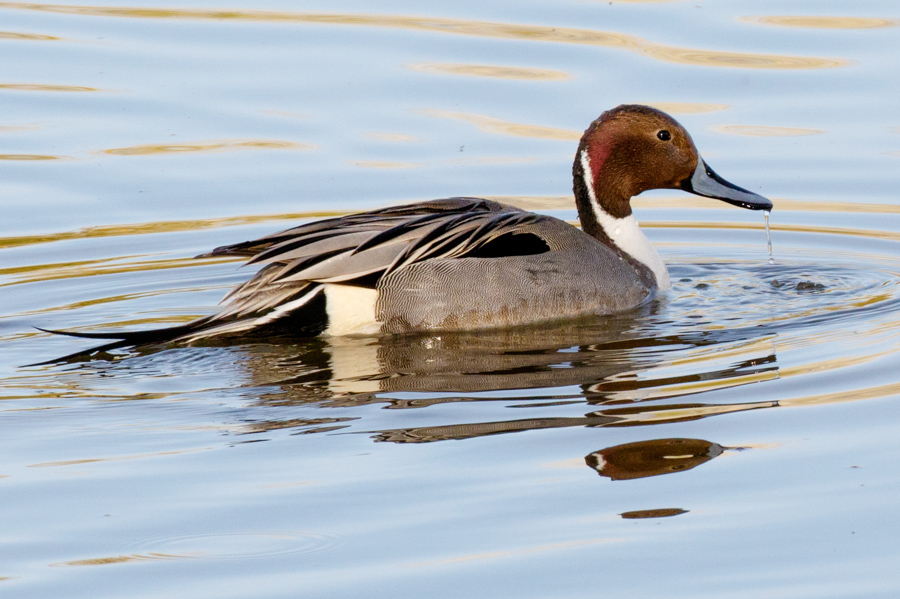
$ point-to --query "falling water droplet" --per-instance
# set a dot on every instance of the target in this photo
(769, 238)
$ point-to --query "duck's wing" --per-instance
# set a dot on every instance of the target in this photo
(360, 249)
(357, 250)
(381, 219)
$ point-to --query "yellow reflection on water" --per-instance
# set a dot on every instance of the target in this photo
(225, 145)
(761, 346)
(871, 234)
(118, 458)
(13, 35)
(391, 137)
(112, 299)
(501, 127)
(830, 365)
(534, 33)
(32, 157)
(496, 71)
(385, 164)
(690, 201)
(42, 87)
(8, 128)
(878, 392)
(681, 413)
(537, 202)
(686, 107)
(761, 131)
(678, 389)
(493, 160)
(161, 227)
(509, 553)
(89, 268)
(468, 160)
(823, 22)
(119, 559)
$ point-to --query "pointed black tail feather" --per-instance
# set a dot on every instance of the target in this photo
(161, 335)
(306, 322)
(121, 339)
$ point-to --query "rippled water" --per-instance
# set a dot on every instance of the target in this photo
(134, 137)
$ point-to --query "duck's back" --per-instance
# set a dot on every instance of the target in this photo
(453, 264)
(575, 275)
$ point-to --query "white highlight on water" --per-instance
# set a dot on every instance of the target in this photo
(769, 238)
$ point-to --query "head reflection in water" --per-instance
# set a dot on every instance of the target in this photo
(652, 458)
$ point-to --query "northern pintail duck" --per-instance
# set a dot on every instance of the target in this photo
(469, 263)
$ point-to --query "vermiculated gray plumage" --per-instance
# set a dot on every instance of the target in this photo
(457, 263)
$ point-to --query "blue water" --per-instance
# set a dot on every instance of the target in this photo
(736, 438)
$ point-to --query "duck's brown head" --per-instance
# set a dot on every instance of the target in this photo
(633, 148)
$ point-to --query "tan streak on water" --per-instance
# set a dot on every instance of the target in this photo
(832, 364)
(117, 458)
(534, 33)
(389, 165)
(111, 299)
(677, 389)
(385, 164)
(495, 71)
(765, 131)
(501, 127)
(879, 392)
(493, 160)
(221, 145)
(32, 157)
(52, 272)
(162, 227)
(712, 354)
(812, 22)
(14, 35)
(11, 128)
(119, 559)
(510, 553)
(686, 107)
(390, 137)
(887, 235)
(680, 413)
(44, 87)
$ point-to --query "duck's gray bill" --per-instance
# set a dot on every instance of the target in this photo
(705, 182)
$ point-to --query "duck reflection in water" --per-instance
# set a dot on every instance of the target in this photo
(630, 369)
(652, 458)
(605, 363)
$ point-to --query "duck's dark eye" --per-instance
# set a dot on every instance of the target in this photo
(664, 135)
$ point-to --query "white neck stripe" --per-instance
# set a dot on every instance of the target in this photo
(625, 232)
(589, 178)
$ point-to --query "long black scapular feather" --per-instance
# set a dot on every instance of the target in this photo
(364, 246)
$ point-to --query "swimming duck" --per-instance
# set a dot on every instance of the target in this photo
(468, 263)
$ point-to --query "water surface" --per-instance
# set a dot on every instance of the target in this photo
(734, 438)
